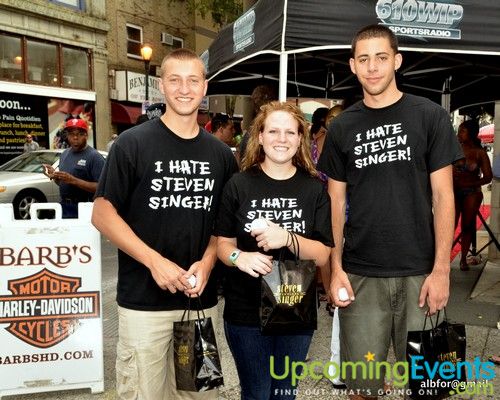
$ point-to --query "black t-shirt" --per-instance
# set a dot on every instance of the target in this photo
(299, 204)
(386, 157)
(167, 189)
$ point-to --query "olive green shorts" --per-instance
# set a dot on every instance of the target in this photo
(384, 310)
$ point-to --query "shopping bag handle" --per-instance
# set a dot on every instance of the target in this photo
(188, 310)
(445, 319)
(295, 248)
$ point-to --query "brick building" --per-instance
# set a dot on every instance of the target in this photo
(83, 57)
(164, 26)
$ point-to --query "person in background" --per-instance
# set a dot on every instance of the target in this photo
(238, 132)
(331, 114)
(496, 167)
(262, 94)
(469, 174)
(114, 136)
(79, 168)
(208, 126)
(279, 178)
(321, 119)
(156, 201)
(223, 129)
(392, 154)
(318, 135)
(30, 145)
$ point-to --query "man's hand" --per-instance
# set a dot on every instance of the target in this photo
(435, 290)
(65, 177)
(201, 270)
(168, 275)
(48, 171)
(340, 280)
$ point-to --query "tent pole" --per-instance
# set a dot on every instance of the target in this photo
(283, 76)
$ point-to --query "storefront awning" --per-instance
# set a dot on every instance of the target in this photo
(122, 114)
(487, 133)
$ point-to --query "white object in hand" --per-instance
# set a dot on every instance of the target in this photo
(192, 280)
(258, 223)
(343, 295)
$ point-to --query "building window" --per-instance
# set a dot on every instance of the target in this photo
(177, 42)
(171, 40)
(75, 68)
(134, 41)
(42, 63)
(11, 58)
(78, 4)
(26, 60)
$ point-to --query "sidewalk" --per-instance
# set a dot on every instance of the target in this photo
(480, 314)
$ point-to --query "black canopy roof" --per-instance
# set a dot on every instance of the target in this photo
(449, 47)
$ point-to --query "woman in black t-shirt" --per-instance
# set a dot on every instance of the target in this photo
(278, 185)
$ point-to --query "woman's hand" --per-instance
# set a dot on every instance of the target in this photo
(271, 237)
(254, 263)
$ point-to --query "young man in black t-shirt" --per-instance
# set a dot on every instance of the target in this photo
(391, 154)
(156, 201)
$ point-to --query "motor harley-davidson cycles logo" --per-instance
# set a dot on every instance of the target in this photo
(45, 308)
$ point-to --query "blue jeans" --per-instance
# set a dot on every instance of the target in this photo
(252, 351)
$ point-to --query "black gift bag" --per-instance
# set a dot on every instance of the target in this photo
(445, 342)
(289, 302)
(196, 356)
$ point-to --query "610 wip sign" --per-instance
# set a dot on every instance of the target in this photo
(45, 308)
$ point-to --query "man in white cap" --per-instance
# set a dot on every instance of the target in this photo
(80, 166)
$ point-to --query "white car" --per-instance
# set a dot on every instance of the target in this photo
(23, 183)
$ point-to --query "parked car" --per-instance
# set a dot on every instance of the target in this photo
(23, 183)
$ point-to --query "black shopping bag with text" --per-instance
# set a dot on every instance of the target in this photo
(289, 302)
(196, 356)
(427, 350)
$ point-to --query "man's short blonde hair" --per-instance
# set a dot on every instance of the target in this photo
(182, 54)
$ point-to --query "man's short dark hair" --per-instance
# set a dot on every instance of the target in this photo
(219, 120)
(375, 31)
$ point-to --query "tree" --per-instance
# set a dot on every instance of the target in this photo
(223, 12)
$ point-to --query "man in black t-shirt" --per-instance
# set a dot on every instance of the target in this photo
(156, 200)
(391, 155)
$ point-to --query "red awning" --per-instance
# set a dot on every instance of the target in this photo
(487, 133)
(122, 114)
